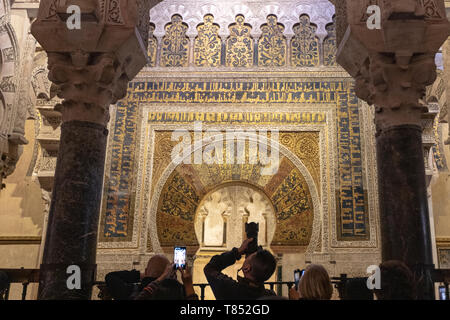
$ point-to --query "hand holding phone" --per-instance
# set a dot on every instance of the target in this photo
(296, 278)
(298, 274)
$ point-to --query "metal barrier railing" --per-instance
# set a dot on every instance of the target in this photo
(103, 294)
(27, 276)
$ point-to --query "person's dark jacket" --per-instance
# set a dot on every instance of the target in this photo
(4, 284)
(168, 289)
(224, 287)
(126, 285)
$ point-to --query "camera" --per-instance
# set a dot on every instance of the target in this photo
(251, 230)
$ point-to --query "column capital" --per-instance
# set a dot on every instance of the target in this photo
(88, 83)
(395, 84)
(393, 65)
(90, 67)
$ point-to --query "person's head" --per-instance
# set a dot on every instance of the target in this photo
(259, 266)
(156, 266)
(356, 289)
(315, 284)
(397, 282)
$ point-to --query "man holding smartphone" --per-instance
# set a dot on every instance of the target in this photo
(258, 267)
(126, 285)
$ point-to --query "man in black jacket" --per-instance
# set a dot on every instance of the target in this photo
(126, 285)
(258, 267)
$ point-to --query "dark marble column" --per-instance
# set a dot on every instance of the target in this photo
(89, 68)
(74, 212)
(404, 219)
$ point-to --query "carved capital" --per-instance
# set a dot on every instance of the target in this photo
(90, 67)
(395, 84)
(393, 65)
(88, 83)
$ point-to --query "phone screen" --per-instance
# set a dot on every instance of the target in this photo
(296, 277)
(442, 295)
(179, 257)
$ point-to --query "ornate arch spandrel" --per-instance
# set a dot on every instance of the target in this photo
(316, 211)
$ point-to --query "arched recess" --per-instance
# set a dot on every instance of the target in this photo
(170, 181)
(235, 206)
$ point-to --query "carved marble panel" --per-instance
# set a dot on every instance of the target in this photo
(272, 44)
(208, 44)
(239, 45)
(305, 44)
(175, 44)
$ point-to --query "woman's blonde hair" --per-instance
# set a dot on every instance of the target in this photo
(315, 284)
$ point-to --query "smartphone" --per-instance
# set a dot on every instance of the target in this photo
(297, 275)
(442, 293)
(179, 257)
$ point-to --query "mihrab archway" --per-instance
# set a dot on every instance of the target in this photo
(181, 188)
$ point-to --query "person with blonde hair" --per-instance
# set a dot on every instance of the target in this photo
(315, 284)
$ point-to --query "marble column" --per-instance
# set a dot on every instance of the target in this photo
(73, 221)
(404, 218)
(90, 69)
(392, 67)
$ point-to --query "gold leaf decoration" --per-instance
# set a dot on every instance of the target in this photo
(208, 45)
(305, 44)
(175, 44)
(239, 44)
(272, 44)
(152, 46)
(330, 45)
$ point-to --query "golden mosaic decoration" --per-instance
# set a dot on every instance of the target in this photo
(175, 44)
(239, 45)
(305, 44)
(152, 46)
(208, 45)
(330, 45)
(272, 44)
(189, 183)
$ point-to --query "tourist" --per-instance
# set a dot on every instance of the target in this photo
(4, 283)
(257, 268)
(126, 285)
(397, 282)
(166, 287)
(315, 284)
(356, 289)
